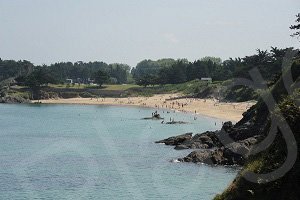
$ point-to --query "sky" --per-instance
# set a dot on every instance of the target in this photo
(128, 31)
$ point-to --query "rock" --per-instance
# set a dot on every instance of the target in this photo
(153, 118)
(13, 99)
(237, 152)
(177, 140)
(215, 157)
(232, 154)
(229, 146)
(204, 139)
(199, 157)
(177, 122)
(227, 126)
(200, 141)
(181, 147)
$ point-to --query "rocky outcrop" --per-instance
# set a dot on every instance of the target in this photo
(176, 140)
(228, 146)
(233, 154)
(13, 99)
(200, 141)
(177, 122)
(272, 182)
(188, 141)
(155, 116)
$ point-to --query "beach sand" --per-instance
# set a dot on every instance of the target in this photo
(208, 107)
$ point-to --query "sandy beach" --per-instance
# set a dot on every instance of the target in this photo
(207, 107)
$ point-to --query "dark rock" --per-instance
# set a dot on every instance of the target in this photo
(177, 122)
(204, 139)
(153, 118)
(215, 157)
(177, 140)
(227, 126)
(199, 157)
(200, 141)
(181, 147)
(13, 99)
(229, 146)
(242, 146)
(232, 154)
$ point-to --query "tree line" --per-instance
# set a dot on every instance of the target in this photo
(170, 71)
(59, 72)
(117, 73)
(148, 72)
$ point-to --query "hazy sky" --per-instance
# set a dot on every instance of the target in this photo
(128, 31)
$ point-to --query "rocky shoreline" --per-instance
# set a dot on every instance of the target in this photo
(13, 99)
(258, 142)
(229, 146)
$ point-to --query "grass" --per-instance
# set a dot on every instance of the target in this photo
(120, 87)
(135, 90)
(81, 86)
(191, 87)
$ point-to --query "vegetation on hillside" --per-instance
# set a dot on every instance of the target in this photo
(164, 76)
(170, 71)
(287, 111)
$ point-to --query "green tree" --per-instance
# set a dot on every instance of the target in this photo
(215, 60)
(296, 27)
(101, 77)
(37, 79)
(178, 72)
(119, 72)
(145, 80)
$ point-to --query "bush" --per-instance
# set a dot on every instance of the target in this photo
(25, 95)
(53, 95)
(87, 95)
(13, 99)
(240, 94)
(67, 95)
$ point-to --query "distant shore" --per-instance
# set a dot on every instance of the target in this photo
(208, 107)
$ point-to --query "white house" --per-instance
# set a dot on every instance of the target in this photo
(69, 81)
(207, 79)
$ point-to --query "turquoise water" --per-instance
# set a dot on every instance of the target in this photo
(99, 152)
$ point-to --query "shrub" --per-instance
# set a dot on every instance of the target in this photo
(87, 95)
(67, 95)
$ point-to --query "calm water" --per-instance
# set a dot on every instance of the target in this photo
(99, 152)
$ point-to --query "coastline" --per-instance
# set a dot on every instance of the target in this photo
(207, 107)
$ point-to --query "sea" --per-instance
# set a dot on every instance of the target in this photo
(101, 152)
